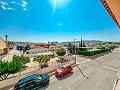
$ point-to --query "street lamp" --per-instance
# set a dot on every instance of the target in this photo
(75, 49)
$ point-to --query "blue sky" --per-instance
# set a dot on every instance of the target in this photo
(56, 20)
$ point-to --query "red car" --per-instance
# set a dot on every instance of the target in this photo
(63, 70)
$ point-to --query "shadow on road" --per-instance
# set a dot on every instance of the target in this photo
(43, 88)
(65, 76)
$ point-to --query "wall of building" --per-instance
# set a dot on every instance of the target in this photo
(2, 44)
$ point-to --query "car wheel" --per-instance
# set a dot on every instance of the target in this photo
(62, 75)
(71, 71)
(45, 84)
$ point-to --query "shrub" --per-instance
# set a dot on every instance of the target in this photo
(91, 53)
(21, 59)
(7, 68)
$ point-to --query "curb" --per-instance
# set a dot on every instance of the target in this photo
(115, 84)
(49, 73)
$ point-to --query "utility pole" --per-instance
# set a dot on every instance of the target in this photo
(55, 47)
(75, 49)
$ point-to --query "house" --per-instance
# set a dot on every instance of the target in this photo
(2, 45)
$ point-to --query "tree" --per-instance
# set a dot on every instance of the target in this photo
(61, 52)
(81, 43)
(11, 43)
(21, 59)
(70, 47)
(84, 43)
(7, 68)
(27, 47)
(42, 59)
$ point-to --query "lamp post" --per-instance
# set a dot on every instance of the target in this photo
(75, 49)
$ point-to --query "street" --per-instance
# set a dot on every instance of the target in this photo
(102, 74)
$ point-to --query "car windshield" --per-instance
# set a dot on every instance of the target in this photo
(62, 68)
(39, 77)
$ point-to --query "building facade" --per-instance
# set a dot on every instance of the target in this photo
(2, 45)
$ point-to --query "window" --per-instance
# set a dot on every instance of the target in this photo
(22, 86)
(29, 84)
(62, 68)
(69, 66)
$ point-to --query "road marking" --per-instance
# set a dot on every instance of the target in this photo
(111, 68)
(114, 86)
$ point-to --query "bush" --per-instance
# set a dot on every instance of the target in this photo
(91, 53)
(61, 52)
(21, 59)
(7, 68)
(42, 58)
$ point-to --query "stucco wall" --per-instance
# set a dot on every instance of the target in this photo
(2, 44)
(13, 80)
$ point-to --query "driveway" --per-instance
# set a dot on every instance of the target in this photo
(9, 56)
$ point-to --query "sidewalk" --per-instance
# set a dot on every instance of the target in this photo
(118, 83)
(9, 56)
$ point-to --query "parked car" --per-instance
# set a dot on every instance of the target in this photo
(63, 70)
(33, 82)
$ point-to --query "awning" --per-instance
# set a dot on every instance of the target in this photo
(113, 8)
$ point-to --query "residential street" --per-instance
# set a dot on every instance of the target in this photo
(102, 74)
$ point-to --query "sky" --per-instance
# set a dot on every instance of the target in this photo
(56, 20)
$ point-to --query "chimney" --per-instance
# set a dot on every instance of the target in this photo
(6, 40)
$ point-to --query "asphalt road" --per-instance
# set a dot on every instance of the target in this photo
(102, 74)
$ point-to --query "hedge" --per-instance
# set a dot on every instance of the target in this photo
(91, 53)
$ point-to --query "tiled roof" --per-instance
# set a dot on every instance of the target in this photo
(113, 8)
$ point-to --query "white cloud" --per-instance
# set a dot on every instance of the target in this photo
(13, 2)
(9, 8)
(24, 4)
(60, 24)
(1, 2)
(25, 9)
(3, 7)
(10, 5)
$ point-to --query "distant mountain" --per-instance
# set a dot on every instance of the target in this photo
(86, 41)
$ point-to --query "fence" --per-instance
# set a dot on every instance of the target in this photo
(38, 67)
(31, 71)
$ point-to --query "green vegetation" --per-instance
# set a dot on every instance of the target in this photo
(61, 52)
(43, 59)
(107, 47)
(11, 43)
(70, 47)
(91, 53)
(22, 59)
(82, 43)
(7, 68)
(102, 50)
(27, 47)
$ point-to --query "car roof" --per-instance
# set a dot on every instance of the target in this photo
(32, 77)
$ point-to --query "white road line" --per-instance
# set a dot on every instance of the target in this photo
(114, 86)
(111, 68)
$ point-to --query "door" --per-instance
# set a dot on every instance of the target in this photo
(69, 69)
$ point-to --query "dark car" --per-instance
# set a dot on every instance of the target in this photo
(33, 82)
